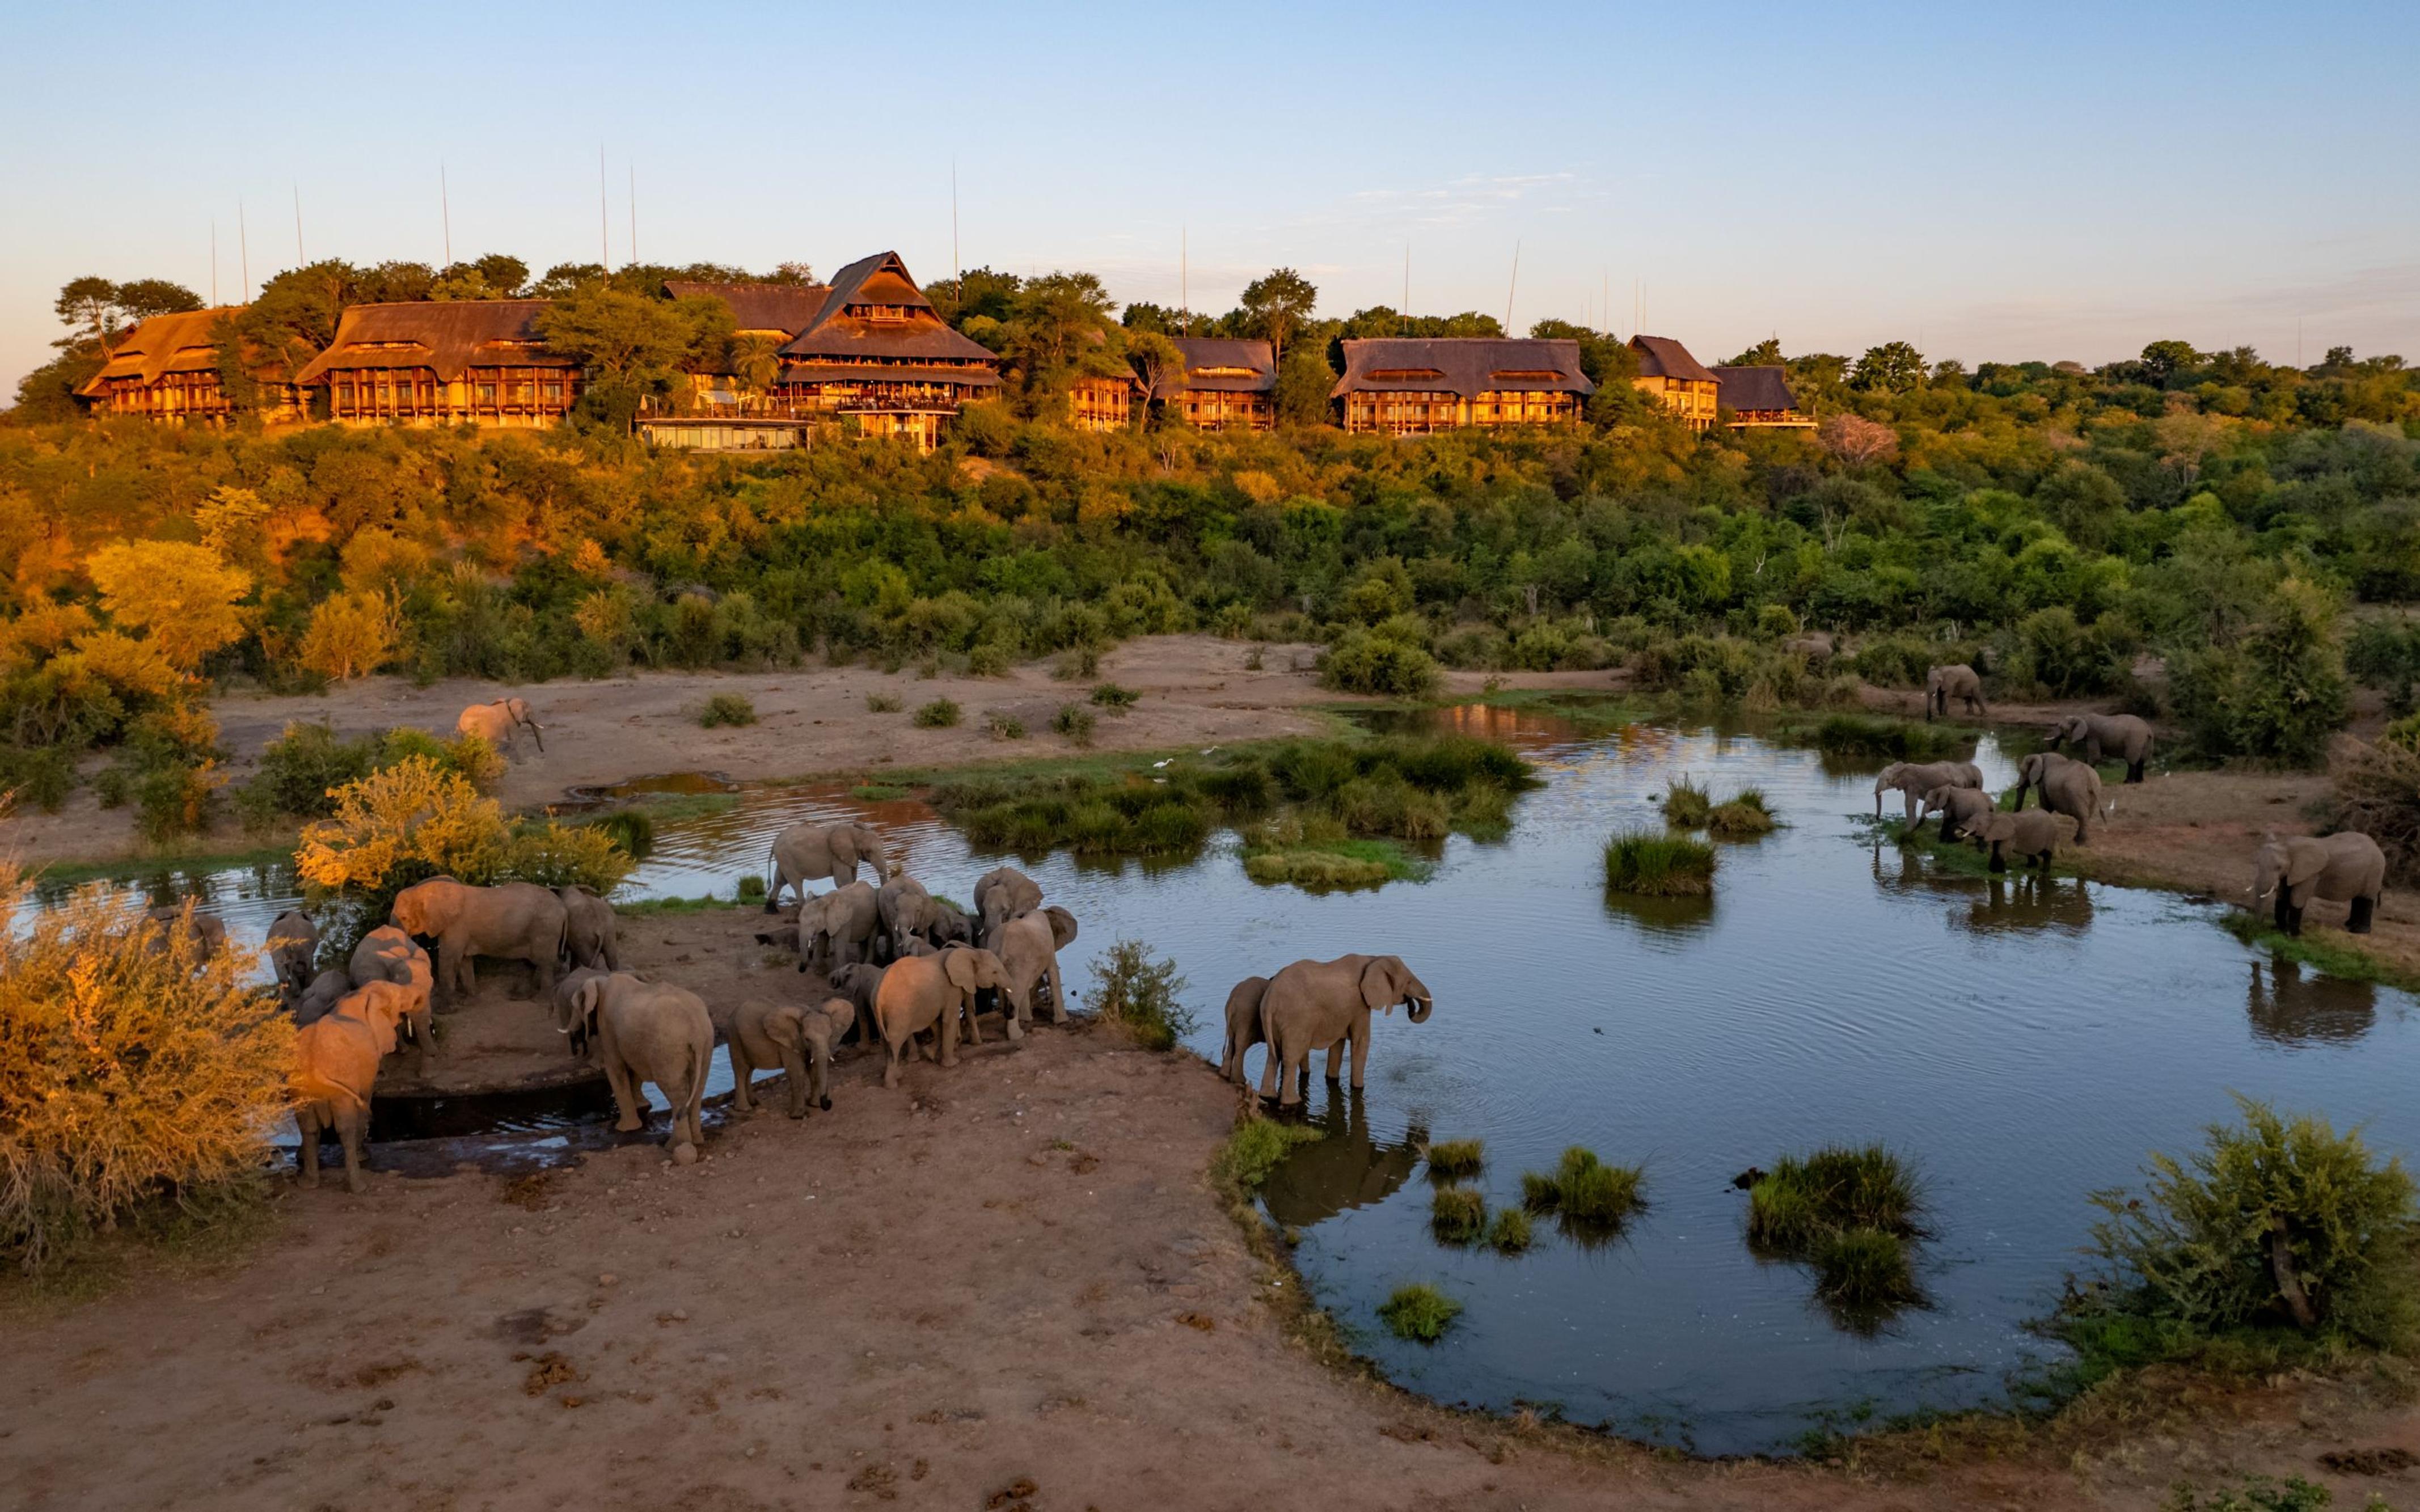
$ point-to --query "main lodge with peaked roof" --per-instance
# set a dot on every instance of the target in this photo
(445, 362)
(167, 369)
(1227, 385)
(879, 355)
(1687, 386)
(1416, 386)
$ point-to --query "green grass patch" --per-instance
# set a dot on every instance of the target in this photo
(878, 792)
(1457, 1215)
(1115, 700)
(1509, 1234)
(1651, 863)
(882, 703)
(1254, 1149)
(646, 907)
(1740, 816)
(1687, 805)
(1457, 1158)
(1075, 722)
(940, 714)
(1419, 1312)
(64, 873)
(1807, 1198)
(2319, 952)
(1585, 1192)
(1882, 739)
(726, 708)
(1144, 995)
(1864, 1272)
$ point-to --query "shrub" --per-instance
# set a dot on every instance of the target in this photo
(1456, 1158)
(1115, 700)
(1420, 1313)
(1457, 1215)
(2279, 693)
(555, 854)
(633, 831)
(1687, 805)
(881, 703)
(727, 709)
(2274, 1221)
(1742, 816)
(2258, 1493)
(1363, 663)
(299, 770)
(41, 775)
(1652, 864)
(1075, 722)
(400, 824)
(1509, 1233)
(1254, 1150)
(940, 714)
(1141, 994)
(134, 1081)
(2375, 790)
(1004, 726)
(1805, 1199)
(989, 660)
(1585, 1191)
(173, 799)
(1891, 739)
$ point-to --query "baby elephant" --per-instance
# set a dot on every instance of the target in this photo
(1961, 809)
(320, 998)
(794, 1038)
(588, 929)
(2030, 836)
(293, 944)
(921, 992)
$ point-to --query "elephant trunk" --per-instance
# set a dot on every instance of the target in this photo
(1418, 1009)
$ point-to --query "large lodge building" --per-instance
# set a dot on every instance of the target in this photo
(869, 352)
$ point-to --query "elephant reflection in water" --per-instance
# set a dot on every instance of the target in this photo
(2012, 904)
(2293, 1006)
(1347, 1169)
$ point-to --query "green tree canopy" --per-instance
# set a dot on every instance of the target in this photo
(1278, 302)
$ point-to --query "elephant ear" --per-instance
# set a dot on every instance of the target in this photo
(1062, 927)
(584, 1003)
(1383, 982)
(961, 966)
(2305, 862)
(786, 1025)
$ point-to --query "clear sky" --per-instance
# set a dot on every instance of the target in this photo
(1997, 182)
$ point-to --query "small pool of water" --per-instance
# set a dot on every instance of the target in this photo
(2021, 1043)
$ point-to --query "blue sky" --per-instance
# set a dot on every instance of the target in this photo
(1987, 182)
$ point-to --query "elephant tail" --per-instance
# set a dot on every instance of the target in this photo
(701, 1061)
(327, 1098)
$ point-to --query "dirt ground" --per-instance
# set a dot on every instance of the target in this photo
(1008, 1273)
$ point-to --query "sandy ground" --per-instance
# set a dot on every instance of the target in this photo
(1007, 1272)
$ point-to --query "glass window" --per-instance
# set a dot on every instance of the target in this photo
(486, 393)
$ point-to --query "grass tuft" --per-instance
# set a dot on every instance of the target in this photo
(1585, 1191)
(727, 709)
(1075, 722)
(881, 703)
(1457, 1215)
(1256, 1147)
(1805, 1198)
(1742, 816)
(940, 714)
(1420, 1313)
(1456, 1158)
(1509, 1233)
(1115, 700)
(1654, 865)
(1687, 805)
(1006, 726)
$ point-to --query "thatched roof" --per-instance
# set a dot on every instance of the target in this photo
(447, 336)
(829, 372)
(788, 308)
(1755, 388)
(1468, 366)
(165, 344)
(1663, 357)
(842, 332)
(1249, 366)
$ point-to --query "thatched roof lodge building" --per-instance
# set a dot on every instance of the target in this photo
(769, 315)
(1687, 387)
(1227, 385)
(167, 369)
(1412, 387)
(878, 356)
(1759, 399)
(445, 362)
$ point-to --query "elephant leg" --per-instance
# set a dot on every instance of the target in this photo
(350, 1120)
(2293, 921)
(2134, 770)
(1361, 1054)
(1999, 863)
(306, 1121)
(974, 1030)
(794, 1070)
(1272, 1064)
(2285, 910)
(1336, 1056)
(688, 1133)
(617, 1076)
(819, 1065)
(1290, 1074)
(2084, 825)
(947, 1032)
(1058, 992)
(742, 1070)
(890, 1072)
(2363, 909)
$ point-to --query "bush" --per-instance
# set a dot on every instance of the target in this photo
(399, 825)
(41, 775)
(940, 714)
(1585, 1191)
(297, 772)
(1420, 1313)
(989, 660)
(633, 831)
(172, 800)
(1805, 1199)
(1141, 994)
(1509, 1233)
(1650, 864)
(2385, 654)
(1457, 1215)
(2274, 1222)
(1687, 805)
(2275, 696)
(1004, 726)
(727, 709)
(1891, 739)
(2375, 790)
(134, 1082)
(1363, 663)
(1740, 816)
(1255, 1149)
(555, 854)
(1075, 722)
(1456, 1158)
(881, 703)
(1115, 700)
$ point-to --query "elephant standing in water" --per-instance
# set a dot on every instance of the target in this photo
(1326, 1004)
(293, 946)
(500, 722)
(2067, 787)
(2032, 835)
(648, 1032)
(513, 921)
(335, 1064)
(1959, 681)
(1915, 779)
(806, 854)
(1960, 810)
(1243, 1026)
(794, 1037)
(2341, 869)
(2122, 736)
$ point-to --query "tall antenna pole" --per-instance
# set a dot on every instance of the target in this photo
(1635, 326)
(214, 262)
(1185, 275)
(1516, 284)
(604, 232)
(957, 265)
(244, 246)
(1404, 316)
(1604, 299)
(298, 224)
(445, 212)
(634, 211)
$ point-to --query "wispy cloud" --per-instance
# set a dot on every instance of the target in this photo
(1456, 201)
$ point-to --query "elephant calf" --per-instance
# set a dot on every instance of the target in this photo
(1243, 1026)
(921, 992)
(2031, 835)
(386, 953)
(1961, 809)
(588, 929)
(794, 1037)
(320, 998)
(293, 946)
(1028, 946)
(2341, 868)
(1957, 681)
(335, 1064)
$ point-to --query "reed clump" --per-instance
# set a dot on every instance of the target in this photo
(1457, 1215)
(1850, 1215)
(1457, 1158)
(1687, 805)
(1650, 864)
(1419, 1312)
(1740, 817)
(1585, 1191)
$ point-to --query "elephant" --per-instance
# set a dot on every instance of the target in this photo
(2067, 787)
(907, 911)
(794, 1037)
(1003, 892)
(205, 932)
(588, 929)
(859, 983)
(293, 946)
(500, 722)
(2031, 835)
(1913, 780)
(648, 1032)
(2123, 736)
(320, 998)
(513, 921)
(1960, 810)
(386, 953)
(1816, 646)
(1243, 1026)
(806, 854)
(2342, 868)
(838, 926)
(932, 992)
(1959, 681)
(1028, 946)
(951, 926)
(1315, 1004)
(335, 1064)
(566, 995)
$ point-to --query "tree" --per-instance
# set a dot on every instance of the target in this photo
(756, 362)
(1855, 439)
(1278, 302)
(2162, 361)
(981, 294)
(97, 310)
(352, 636)
(1156, 362)
(1304, 383)
(1057, 317)
(493, 276)
(790, 272)
(1893, 368)
(1765, 353)
(637, 345)
(1605, 361)
(183, 594)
